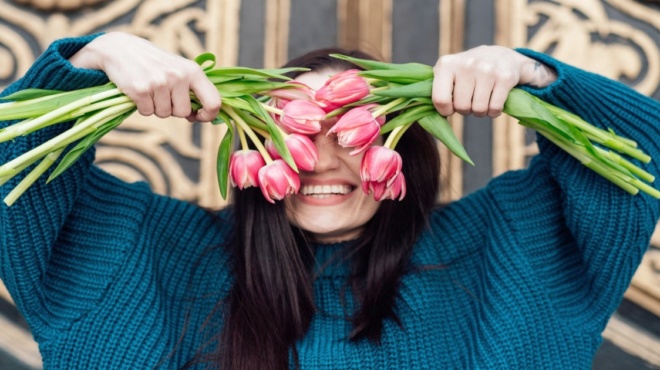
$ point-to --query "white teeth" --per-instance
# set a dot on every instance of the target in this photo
(324, 191)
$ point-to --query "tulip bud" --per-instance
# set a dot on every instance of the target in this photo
(357, 128)
(379, 164)
(341, 89)
(244, 166)
(282, 97)
(278, 180)
(396, 188)
(302, 149)
(299, 92)
(302, 117)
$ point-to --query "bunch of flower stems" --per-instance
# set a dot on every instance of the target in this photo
(281, 122)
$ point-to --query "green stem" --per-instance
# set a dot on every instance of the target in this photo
(28, 180)
(263, 133)
(383, 109)
(626, 164)
(251, 120)
(377, 89)
(29, 102)
(398, 134)
(586, 160)
(271, 109)
(239, 121)
(394, 137)
(586, 127)
(241, 136)
(33, 104)
(621, 147)
(75, 133)
(27, 126)
(627, 183)
(97, 106)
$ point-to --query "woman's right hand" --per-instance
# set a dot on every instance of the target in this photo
(157, 81)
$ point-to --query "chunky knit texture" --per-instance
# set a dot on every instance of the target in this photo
(112, 276)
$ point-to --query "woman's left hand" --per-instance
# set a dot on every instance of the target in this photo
(478, 81)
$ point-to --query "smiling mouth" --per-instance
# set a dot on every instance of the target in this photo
(325, 191)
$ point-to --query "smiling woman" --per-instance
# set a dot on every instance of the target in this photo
(331, 205)
(110, 275)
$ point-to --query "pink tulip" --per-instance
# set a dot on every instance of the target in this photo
(282, 97)
(357, 128)
(302, 117)
(299, 92)
(278, 180)
(396, 188)
(302, 150)
(379, 164)
(341, 89)
(244, 166)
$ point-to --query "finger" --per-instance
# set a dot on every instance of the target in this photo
(192, 117)
(208, 96)
(498, 98)
(141, 96)
(163, 101)
(181, 100)
(443, 88)
(482, 95)
(463, 93)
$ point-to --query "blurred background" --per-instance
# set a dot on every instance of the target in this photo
(617, 38)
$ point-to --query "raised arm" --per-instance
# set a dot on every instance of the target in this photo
(53, 221)
(157, 81)
(29, 229)
(579, 235)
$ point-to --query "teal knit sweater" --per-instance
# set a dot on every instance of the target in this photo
(110, 275)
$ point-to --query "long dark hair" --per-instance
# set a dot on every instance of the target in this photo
(271, 303)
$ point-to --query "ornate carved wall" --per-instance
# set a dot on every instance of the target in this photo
(617, 38)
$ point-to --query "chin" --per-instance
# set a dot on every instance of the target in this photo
(330, 224)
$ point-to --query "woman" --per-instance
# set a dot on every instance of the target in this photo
(522, 274)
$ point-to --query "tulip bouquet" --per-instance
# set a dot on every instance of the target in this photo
(279, 123)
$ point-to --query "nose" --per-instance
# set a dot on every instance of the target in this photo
(327, 147)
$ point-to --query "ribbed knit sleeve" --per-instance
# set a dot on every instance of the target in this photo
(583, 236)
(30, 228)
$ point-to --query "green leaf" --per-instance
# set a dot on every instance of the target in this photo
(273, 130)
(28, 94)
(251, 120)
(222, 163)
(597, 156)
(411, 115)
(373, 64)
(522, 105)
(218, 80)
(39, 106)
(439, 127)
(204, 59)
(368, 100)
(252, 73)
(421, 89)
(248, 87)
(72, 156)
(400, 76)
(340, 111)
(237, 102)
(223, 118)
(282, 71)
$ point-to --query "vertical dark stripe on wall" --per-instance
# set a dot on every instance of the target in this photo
(478, 132)
(415, 31)
(251, 34)
(313, 24)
